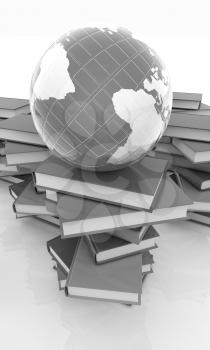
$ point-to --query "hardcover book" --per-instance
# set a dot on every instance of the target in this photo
(20, 153)
(30, 202)
(20, 129)
(63, 251)
(197, 178)
(201, 199)
(9, 107)
(201, 217)
(106, 247)
(188, 133)
(80, 216)
(199, 119)
(119, 281)
(195, 151)
(136, 186)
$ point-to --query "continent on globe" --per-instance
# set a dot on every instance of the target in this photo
(100, 99)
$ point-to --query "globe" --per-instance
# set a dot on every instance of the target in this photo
(100, 98)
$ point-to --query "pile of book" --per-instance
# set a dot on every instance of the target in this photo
(106, 238)
(186, 146)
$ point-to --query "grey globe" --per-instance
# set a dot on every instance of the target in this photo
(100, 99)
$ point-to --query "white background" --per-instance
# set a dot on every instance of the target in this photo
(175, 311)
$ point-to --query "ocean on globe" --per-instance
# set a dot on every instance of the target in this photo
(100, 98)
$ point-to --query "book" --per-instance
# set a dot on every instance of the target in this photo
(188, 133)
(195, 151)
(181, 161)
(17, 188)
(201, 217)
(30, 202)
(197, 178)
(7, 168)
(201, 199)
(186, 100)
(199, 119)
(9, 107)
(167, 148)
(48, 219)
(15, 179)
(119, 281)
(136, 186)
(63, 251)
(20, 153)
(132, 235)
(147, 262)
(165, 139)
(20, 129)
(80, 216)
(106, 247)
(174, 176)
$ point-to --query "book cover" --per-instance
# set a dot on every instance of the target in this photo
(63, 251)
(119, 281)
(199, 179)
(136, 186)
(80, 216)
(195, 151)
(106, 247)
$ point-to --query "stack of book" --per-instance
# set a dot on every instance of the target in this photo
(21, 148)
(186, 145)
(106, 238)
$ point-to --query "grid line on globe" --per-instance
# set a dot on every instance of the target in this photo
(83, 127)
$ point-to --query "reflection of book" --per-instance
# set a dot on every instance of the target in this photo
(136, 186)
(199, 179)
(195, 151)
(20, 129)
(201, 199)
(188, 133)
(30, 202)
(202, 217)
(79, 216)
(19, 153)
(105, 247)
(118, 281)
(9, 107)
(186, 100)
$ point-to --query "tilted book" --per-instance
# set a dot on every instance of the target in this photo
(195, 151)
(20, 129)
(136, 186)
(106, 247)
(79, 216)
(119, 281)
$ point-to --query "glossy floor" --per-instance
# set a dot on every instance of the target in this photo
(175, 310)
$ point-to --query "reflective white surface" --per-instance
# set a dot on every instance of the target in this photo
(175, 310)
